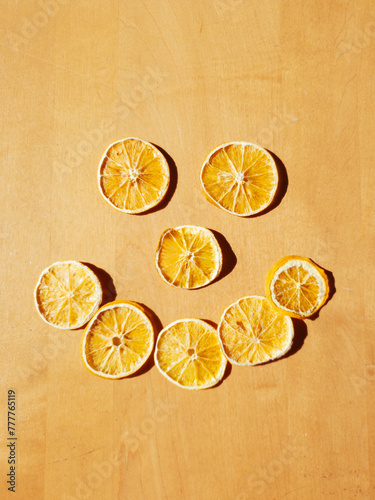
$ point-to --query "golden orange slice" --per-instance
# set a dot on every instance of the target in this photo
(133, 175)
(239, 177)
(118, 340)
(67, 294)
(189, 354)
(296, 286)
(188, 257)
(252, 332)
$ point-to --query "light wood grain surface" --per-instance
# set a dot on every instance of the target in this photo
(294, 77)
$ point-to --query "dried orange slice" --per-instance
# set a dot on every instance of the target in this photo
(239, 177)
(252, 332)
(297, 286)
(133, 175)
(67, 294)
(118, 340)
(188, 257)
(189, 354)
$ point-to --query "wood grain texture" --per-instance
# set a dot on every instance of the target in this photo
(295, 77)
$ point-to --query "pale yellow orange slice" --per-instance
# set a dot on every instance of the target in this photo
(252, 332)
(133, 175)
(188, 257)
(118, 340)
(189, 354)
(239, 177)
(67, 294)
(296, 286)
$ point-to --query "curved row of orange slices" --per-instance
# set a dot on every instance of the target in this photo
(119, 337)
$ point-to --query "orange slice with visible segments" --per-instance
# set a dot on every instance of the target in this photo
(239, 177)
(189, 354)
(67, 294)
(252, 332)
(133, 176)
(296, 286)
(118, 340)
(188, 257)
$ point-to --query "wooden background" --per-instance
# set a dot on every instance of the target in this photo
(294, 77)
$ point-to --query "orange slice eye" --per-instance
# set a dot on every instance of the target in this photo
(133, 176)
(240, 178)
